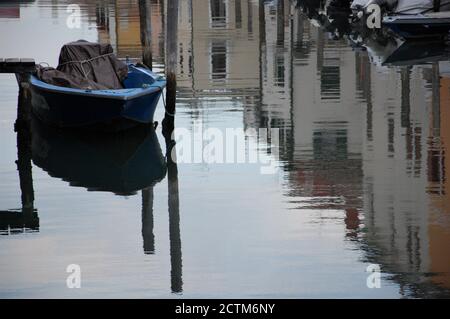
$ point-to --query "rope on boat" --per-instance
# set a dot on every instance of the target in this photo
(86, 61)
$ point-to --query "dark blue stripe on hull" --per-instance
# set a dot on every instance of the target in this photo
(65, 110)
(415, 31)
(141, 109)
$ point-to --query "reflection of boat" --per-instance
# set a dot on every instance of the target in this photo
(418, 52)
(122, 163)
(72, 107)
(428, 25)
(392, 51)
(381, 48)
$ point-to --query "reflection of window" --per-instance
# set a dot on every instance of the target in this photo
(330, 77)
(330, 144)
(218, 59)
(330, 82)
(218, 13)
(279, 70)
(238, 14)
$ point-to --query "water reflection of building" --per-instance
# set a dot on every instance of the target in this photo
(118, 23)
(439, 217)
(223, 46)
(395, 201)
(364, 140)
(276, 65)
(326, 160)
(9, 10)
(368, 141)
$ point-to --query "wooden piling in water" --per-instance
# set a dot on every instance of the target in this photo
(168, 127)
(171, 65)
(145, 14)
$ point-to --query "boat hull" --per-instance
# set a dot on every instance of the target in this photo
(418, 27)
(108, 109)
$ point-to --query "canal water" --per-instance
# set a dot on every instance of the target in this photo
(359, 183)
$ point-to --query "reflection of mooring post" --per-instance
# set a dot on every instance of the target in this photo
(171, 65)
(174, 219)
(436, 5)
(436, 100)
(23, 129)
(145, 14)
(262, 23)
(280, 22)
(405, 74)
(147, 221)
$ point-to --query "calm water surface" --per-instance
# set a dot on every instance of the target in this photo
(361, 180)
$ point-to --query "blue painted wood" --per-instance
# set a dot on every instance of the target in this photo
(68, 107)
(431, 25)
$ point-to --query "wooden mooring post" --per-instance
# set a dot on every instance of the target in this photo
(171, 66)
(171, 54)
(145, 14)
(27, 216)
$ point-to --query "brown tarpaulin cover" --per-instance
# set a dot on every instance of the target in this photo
(86, 65)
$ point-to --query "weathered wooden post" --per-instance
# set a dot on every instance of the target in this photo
(171, 66)
(147, 221)
(168, 127)
(145, 14)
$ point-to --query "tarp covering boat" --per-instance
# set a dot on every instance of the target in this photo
(401, 6)
(414, 6)
(86, 65)
(359, 4)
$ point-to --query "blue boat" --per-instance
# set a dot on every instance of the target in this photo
(118, 109)
(419, 26)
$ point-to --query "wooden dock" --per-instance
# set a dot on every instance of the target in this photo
(17, 65)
